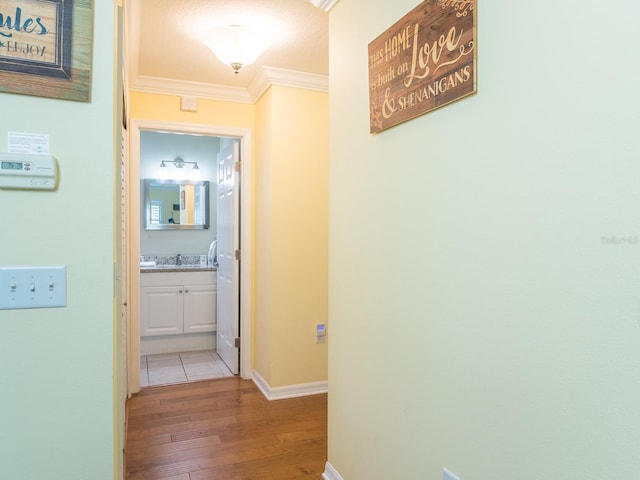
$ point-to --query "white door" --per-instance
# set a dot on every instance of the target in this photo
(228, 267)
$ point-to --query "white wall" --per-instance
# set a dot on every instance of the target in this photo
(482, 317)
(57, 364)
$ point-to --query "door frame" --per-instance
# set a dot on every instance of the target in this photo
(134, 210)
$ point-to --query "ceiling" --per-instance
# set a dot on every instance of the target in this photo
(165, 51)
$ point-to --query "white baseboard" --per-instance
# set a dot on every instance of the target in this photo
(186, 342)
(290, 391)
(331, 473)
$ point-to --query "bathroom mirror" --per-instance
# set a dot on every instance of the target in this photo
(176, 204)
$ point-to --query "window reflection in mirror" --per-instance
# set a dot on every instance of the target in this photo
(176, 204)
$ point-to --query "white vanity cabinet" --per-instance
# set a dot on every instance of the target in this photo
(177, 302)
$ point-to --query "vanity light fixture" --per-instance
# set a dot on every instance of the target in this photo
(236, 45)
(178, 163)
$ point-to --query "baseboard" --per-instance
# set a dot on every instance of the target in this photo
(289, 391)
(186, 342)
(331, 473)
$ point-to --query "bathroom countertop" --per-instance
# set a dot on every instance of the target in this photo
(178, 268)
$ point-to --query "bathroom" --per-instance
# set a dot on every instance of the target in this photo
(178, 263)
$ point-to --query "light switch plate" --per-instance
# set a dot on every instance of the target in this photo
(33, 287)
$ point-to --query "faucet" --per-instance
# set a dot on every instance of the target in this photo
(178, 259)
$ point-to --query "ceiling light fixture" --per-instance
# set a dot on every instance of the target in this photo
(325, 5)
(178, 163)
(235, 46)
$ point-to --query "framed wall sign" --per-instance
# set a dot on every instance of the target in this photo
(424, 61)
(45, 48)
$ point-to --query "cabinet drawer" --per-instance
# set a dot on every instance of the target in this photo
(177, 278)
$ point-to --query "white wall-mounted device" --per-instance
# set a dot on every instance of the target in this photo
(18, 170)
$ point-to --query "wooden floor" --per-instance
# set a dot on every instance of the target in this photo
(224, 429)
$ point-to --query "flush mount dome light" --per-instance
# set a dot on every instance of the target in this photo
(235, 45)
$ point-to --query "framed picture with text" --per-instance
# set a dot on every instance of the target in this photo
(45, 48)
(424, 61)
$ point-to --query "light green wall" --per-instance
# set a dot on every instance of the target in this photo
(57, 365)
(481, 317)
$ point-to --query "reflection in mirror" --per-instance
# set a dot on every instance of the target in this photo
(176, 204)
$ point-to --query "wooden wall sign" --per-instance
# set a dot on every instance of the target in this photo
(424, 61)
(45, 48)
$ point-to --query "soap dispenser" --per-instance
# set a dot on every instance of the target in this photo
(211, 258)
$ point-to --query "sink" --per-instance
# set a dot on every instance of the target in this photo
(175, 267)
(174, 263)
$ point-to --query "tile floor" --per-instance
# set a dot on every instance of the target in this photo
(186, 367)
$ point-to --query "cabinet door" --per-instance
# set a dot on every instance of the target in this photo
(161, 310)
(199, 308)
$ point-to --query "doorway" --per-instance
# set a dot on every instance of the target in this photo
(244, 306)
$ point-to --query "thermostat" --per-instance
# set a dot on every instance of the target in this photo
(33, 172)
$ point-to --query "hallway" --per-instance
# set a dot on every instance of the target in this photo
(224, 429)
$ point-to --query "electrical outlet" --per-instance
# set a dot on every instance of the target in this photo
(447, 475)
(321, 332)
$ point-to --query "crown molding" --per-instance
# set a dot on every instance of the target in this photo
(325, 5)
(267, 76)
(179, 88)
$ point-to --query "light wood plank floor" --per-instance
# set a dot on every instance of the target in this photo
(224, 429)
